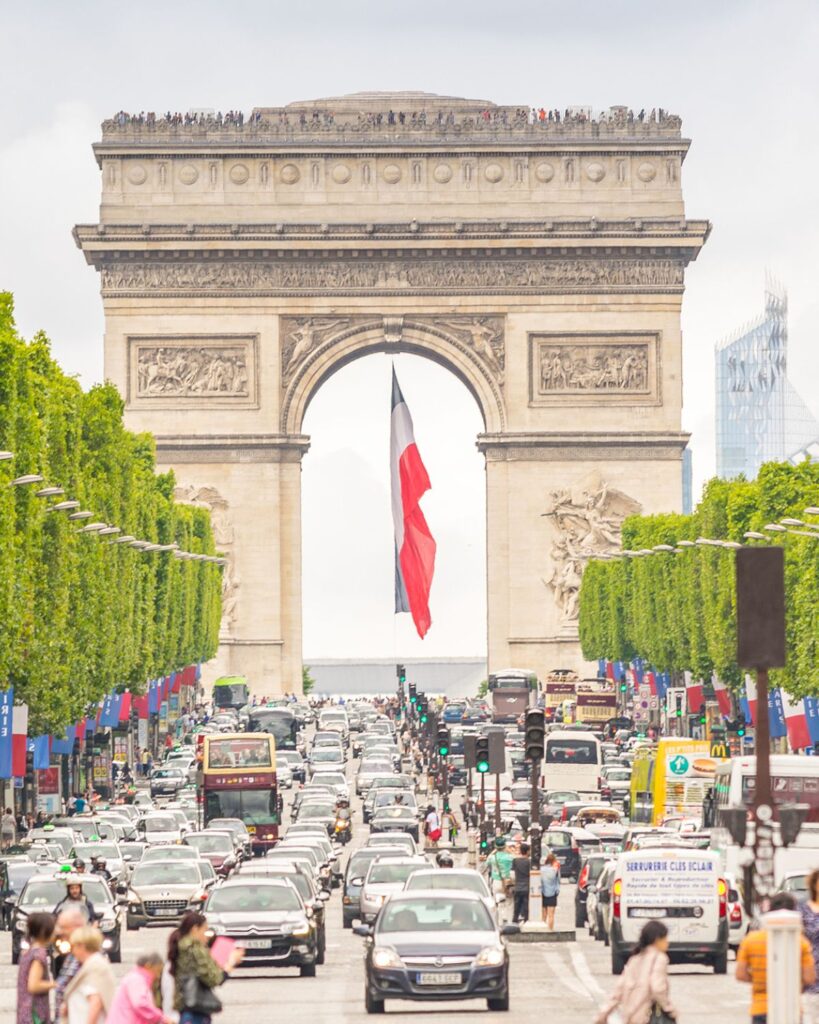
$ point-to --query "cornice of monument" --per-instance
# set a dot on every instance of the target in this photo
(680, 234)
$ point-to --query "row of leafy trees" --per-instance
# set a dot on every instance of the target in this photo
(79, 615)
(679, 611)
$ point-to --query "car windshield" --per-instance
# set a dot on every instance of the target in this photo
(434, 915)
(167, 773)
(164, 824)
(133, 850)
(383, 799)
(328, 754)
(558, 839)
(48, 893)
(447, 880)
(311, 811)
(19, 874)
(169, 853)
(108, 851)
(394, 812)
(571, 752)
(391, 872)
(375, 767)
(619, 775)
(253, 898)
(298, 879)
(166, 873)
(560, 798)
(360, 862)
(211, 844)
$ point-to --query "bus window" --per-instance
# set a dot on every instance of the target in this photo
(246, 752)
(570, 751)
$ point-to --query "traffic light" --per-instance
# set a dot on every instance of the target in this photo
(703, 716)
(740, 725)
(623, 684)
(401, 672)
(413, 693)
(482, 755)
(535, 733)
(483, 843)
(443, 740)
(423, 711)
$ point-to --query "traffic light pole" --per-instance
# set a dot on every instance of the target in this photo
(535, 833)
(497, 804)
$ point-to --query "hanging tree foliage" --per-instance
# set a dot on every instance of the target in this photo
(679, 610)
(79, 613)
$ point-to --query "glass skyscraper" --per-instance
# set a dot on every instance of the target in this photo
(760, 415)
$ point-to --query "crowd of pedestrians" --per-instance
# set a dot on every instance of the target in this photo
(419, 120)
(80, 988)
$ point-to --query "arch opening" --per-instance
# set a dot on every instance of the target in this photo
(347, 532)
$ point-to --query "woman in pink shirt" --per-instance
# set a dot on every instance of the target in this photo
(134, 1002)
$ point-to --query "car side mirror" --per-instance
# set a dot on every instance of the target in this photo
(365, 931)
(10, 901)
(510, 929)
(356, 881)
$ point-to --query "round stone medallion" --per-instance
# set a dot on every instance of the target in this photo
(341, 174)
(289, 174)
(646, 172)
(595, 172)
(391, 174)
(188, 174)
(239, 174)
(493, 172)
(137, 174)
(544, 172)
(442, 173)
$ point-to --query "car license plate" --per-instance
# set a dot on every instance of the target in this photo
(166, 912)
(439, 979)
(255, 943)
(251, 830)
(647, 912)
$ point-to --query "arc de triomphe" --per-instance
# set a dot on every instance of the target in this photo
(241, 264)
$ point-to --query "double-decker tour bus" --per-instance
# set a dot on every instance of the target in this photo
(559, 690)
(280, 722)
(511, 692)
(239, 781)
(230, 692)
(596, 703)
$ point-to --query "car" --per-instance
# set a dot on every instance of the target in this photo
(566, 844)
(384, 876)
(592, 866)
(237, 828)
(167, 781)
(453, 713)
(62, 838)
(284, 776)
(295, 762)
(739, 923)
(458, 774)
(460, 879)
(319, 810)
(161, 892)
(395, 818)
(176, 852)
(328, 851)
(268, 919)
(386, 839)
(186, 764)
(357, 867)
(795, 882)
(15, 871)
(313, 897)
(368, 772)
(41, 894)
(158, 829)
(318, 790)
(553, 801)
(306, 828)
(318, 860)
(335, 779)
(387, 797)
(616, 784)
(325, 757)
(215, 846)
(435, 945)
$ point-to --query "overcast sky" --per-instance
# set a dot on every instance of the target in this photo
(743, 75)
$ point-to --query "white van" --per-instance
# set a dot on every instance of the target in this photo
(684, 888)
(335, 720)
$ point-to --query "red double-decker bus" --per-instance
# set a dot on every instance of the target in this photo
(239, 781)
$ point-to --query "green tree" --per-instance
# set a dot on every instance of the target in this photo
(307, 681)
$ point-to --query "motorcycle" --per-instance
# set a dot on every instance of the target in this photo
(341, 831)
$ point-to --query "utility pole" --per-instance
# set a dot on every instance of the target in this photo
(534, 750)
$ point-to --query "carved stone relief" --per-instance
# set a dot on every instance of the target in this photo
(587, 520)
(429, 275)
(483, 334)
(608, 368)
(180, 371)
(223, 535)
(301, 335)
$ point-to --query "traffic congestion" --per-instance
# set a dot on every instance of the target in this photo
(407, 852)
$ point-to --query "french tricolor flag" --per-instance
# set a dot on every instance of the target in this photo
(748, 702)
(414, 546)
(796, 722)
(19, 735)
(722, 694)
(695, 692)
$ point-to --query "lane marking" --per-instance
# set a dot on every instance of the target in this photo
(584, 973)
(560, 969)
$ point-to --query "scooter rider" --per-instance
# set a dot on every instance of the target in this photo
(98, 867)
(75, 897)
(445, 859)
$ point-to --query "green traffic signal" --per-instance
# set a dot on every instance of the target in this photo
(741, 731)
(443, 751)
(679, 712)
(413, 699)
(423, 718)
(482, 767)
(623, 687)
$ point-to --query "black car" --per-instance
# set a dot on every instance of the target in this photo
(395, 818)
(14, 873)
(569, 845)
(435, 945)
(307, 887)
(589, 873)
(167, 781)
(457, 770)
(267, 917)
(357, 867)
(43, 892)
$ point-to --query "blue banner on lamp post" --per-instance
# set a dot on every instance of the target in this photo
(6, 714)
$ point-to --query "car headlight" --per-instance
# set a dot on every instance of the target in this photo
(108, 924)
(386, 958)
(490, 956)
(20, 924)
(301, 930)
(374, 898)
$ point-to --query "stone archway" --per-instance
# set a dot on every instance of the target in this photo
(542, 263)
(471, 347)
